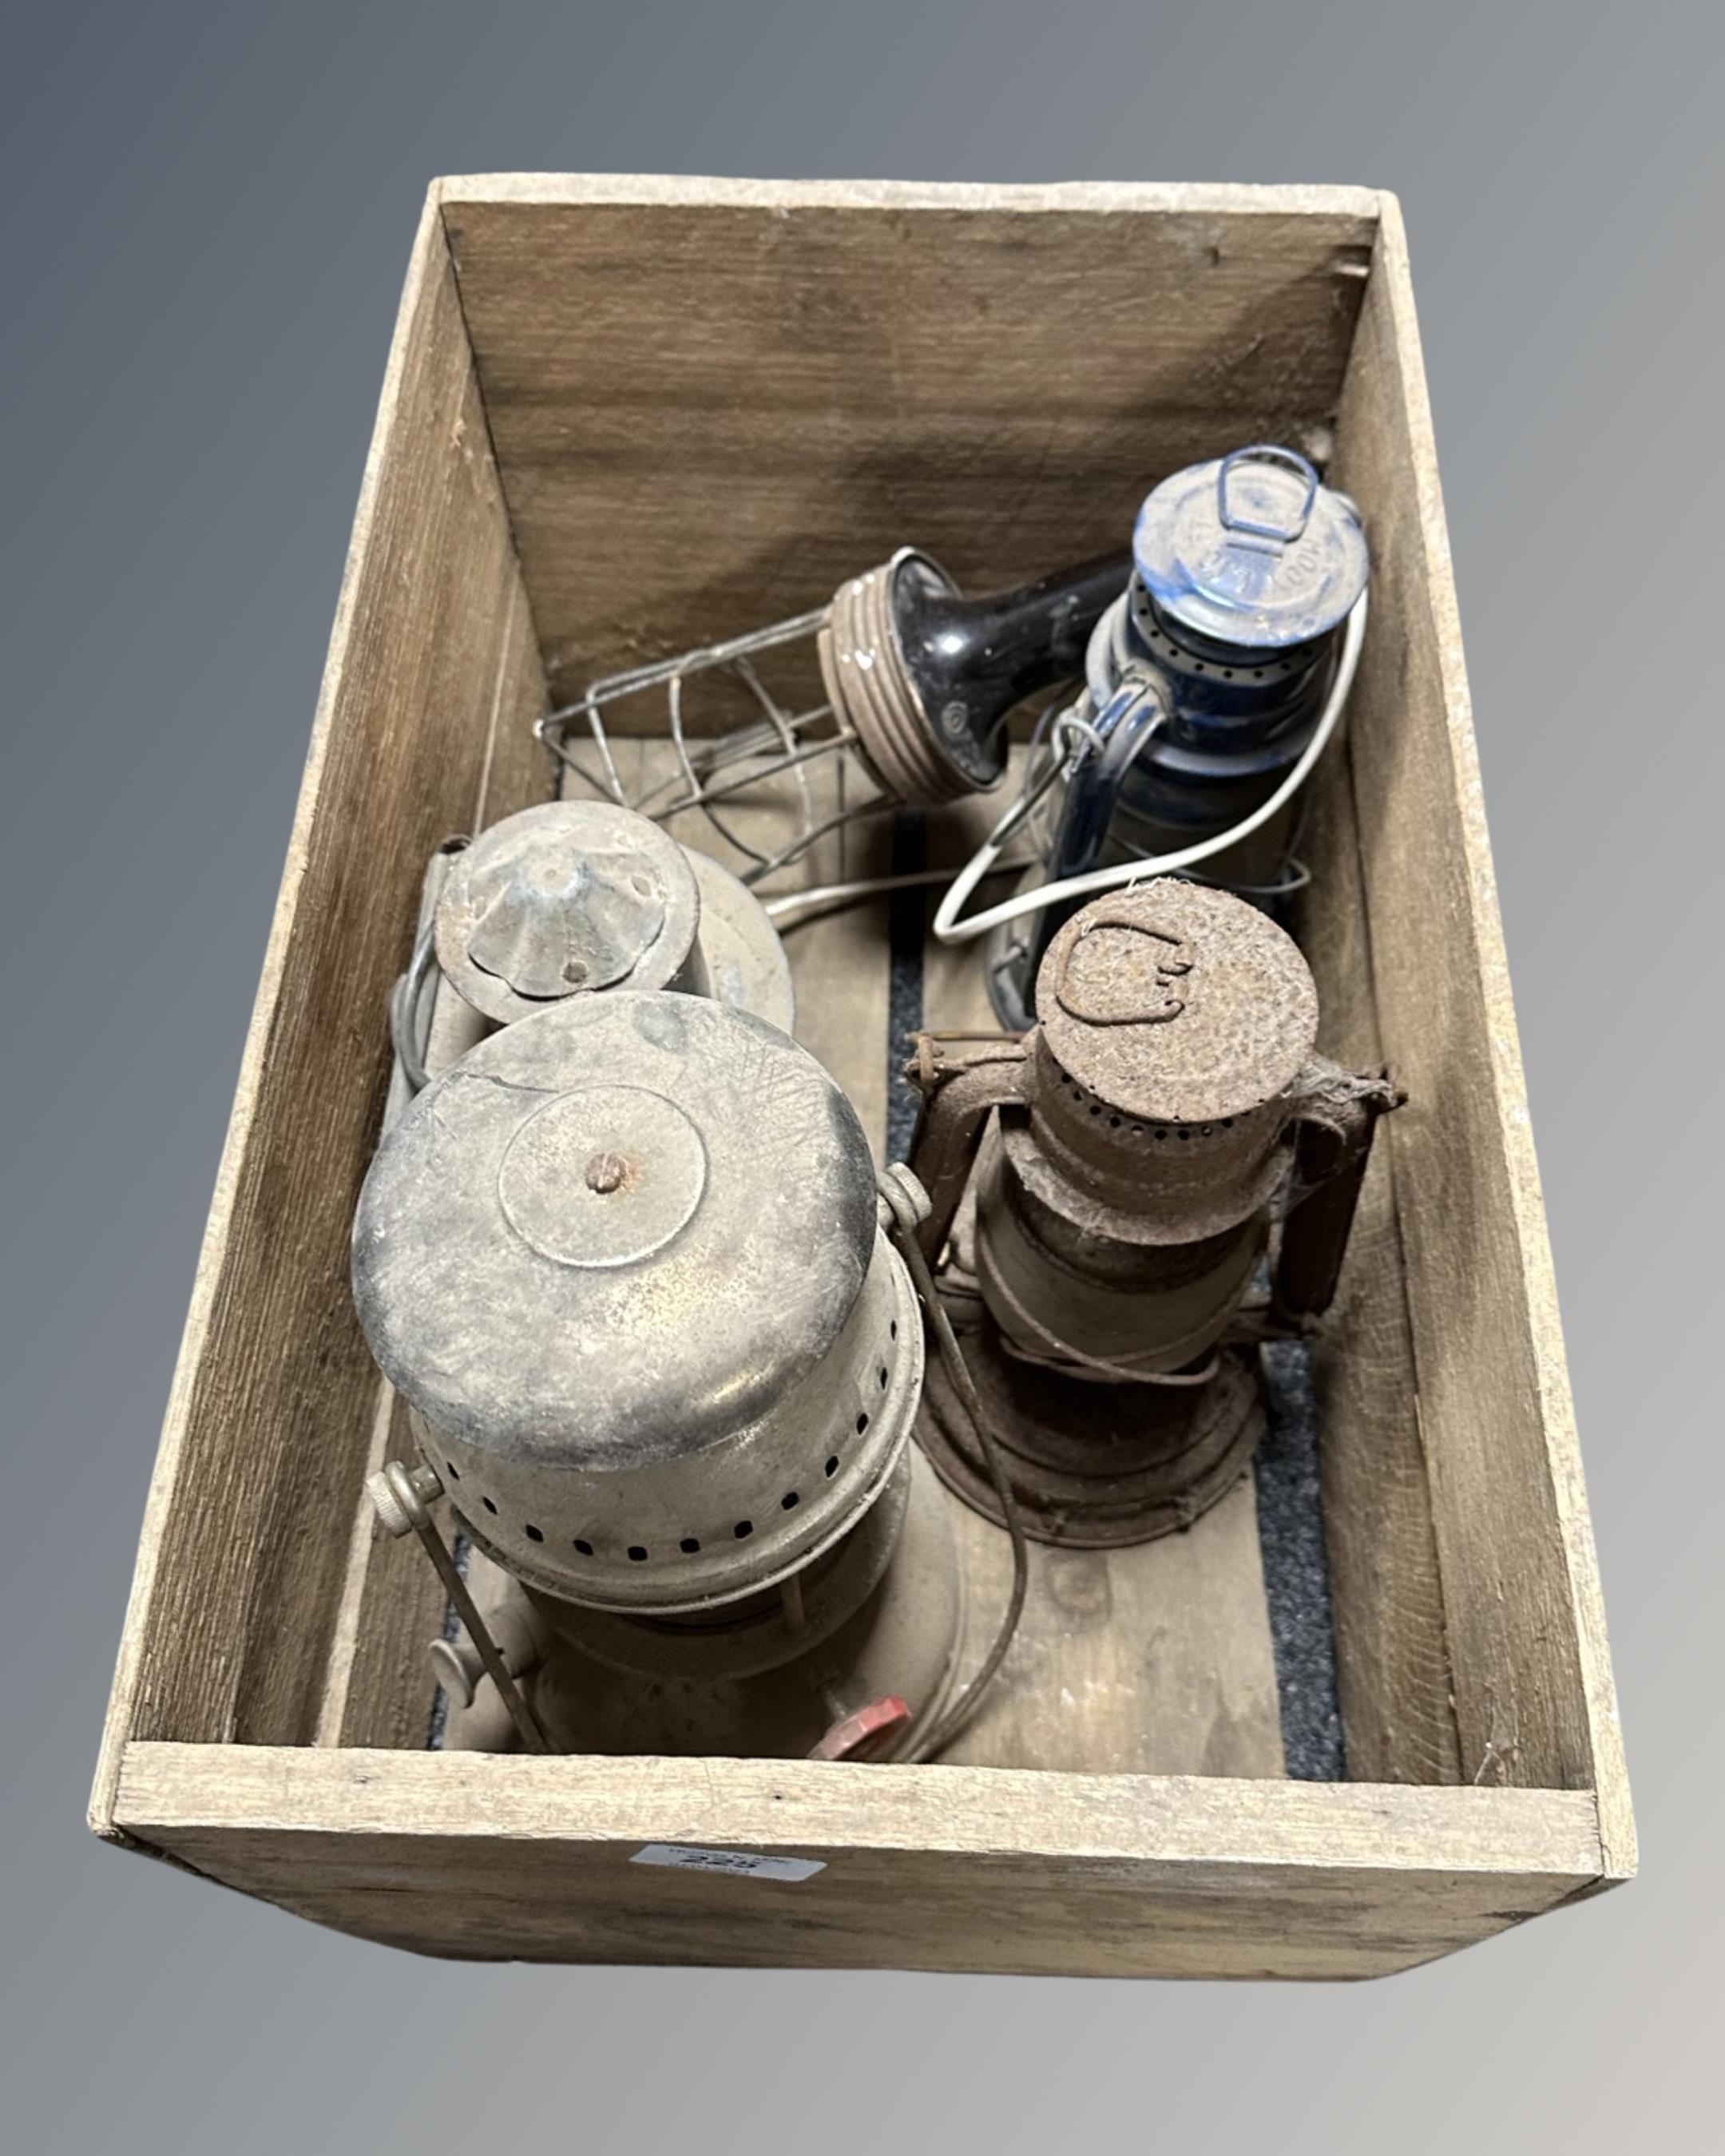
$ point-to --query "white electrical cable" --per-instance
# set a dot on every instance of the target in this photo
(948, 928)
(822, 897)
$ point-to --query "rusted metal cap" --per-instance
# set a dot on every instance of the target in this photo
(558, 901)
(1171, 1003)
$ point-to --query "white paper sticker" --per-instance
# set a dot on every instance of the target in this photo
(739, 1862)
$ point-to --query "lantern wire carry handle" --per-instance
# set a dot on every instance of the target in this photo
(1267, 453)
(399, 1495)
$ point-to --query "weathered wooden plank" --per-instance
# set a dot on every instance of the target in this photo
(518, 769)
(1392, 1662)
(711, 402)
(841, 961)
(1524, 1622)
(1151, 1661)
(244, 1545)
(473, 1854)
(377, 1693)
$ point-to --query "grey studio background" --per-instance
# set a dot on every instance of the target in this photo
(208, 213)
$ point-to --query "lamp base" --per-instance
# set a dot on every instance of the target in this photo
(1092, 1465)
(599, 1683)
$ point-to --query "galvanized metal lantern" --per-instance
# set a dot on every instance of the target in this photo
(1166, 1110)
(624, 1261)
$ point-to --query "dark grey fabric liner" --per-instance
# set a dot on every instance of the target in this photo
(907, 927)
(1297, 1577)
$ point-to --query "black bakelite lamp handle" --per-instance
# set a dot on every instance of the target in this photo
(970, 660)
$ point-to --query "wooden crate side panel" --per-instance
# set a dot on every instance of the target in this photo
(378, 1691)
(245, 1538)
(925, 1868)
(709, 411)
(1524, 1622)
(1392, 1657)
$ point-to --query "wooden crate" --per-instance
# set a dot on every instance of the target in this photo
(623, 415)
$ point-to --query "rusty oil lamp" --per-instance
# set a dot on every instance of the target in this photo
(1107, 1192)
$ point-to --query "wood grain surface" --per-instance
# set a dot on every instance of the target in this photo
(975, 1868)
(1524, 1625)
(712, 402)
(1392, 1657)
(431, 681)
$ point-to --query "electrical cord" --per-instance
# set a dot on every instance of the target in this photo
(949, 928)
(903, 1199)
(827, 897)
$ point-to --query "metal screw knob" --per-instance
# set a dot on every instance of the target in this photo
(456, 1667)
(400, 1495)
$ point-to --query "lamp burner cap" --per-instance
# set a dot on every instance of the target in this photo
(1175, 1002)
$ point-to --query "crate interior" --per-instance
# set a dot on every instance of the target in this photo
(615, 428)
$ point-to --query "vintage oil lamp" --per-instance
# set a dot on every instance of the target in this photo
(1106, 1192)
(1212, 683)
(625, 1260)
